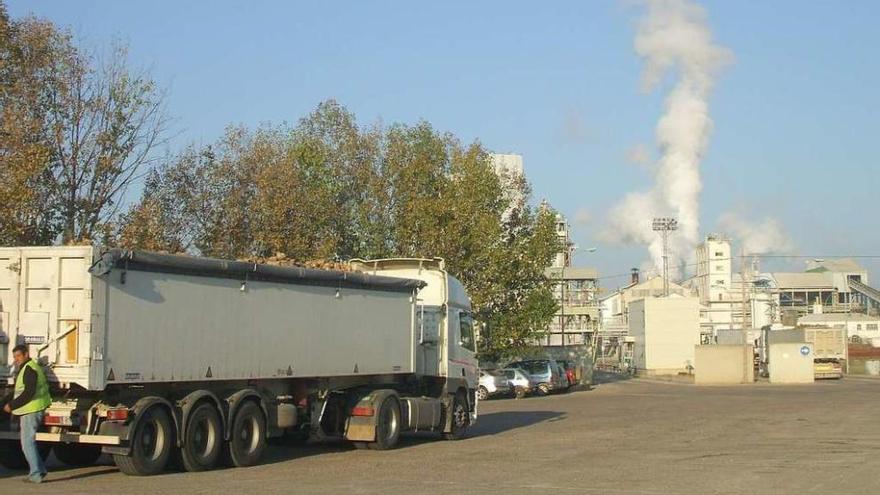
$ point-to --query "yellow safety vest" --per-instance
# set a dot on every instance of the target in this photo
(41, 399)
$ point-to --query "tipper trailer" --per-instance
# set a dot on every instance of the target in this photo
(158, 359)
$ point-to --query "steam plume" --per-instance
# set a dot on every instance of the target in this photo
(673, 38)
(761, 237)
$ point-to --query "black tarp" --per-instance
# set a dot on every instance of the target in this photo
(137, 260)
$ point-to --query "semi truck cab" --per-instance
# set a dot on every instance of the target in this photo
(445, 327)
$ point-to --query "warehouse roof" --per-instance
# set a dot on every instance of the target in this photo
(239, 270)
(835, 265)
(795, 280)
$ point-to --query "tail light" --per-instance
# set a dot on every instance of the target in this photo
(363, 411)
(118, 414)
(51, 420)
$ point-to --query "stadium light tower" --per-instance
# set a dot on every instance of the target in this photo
(665, 225)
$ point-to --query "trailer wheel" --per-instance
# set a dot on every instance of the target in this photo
(78, 455)
(247, 440)
(387, 425)
(11, 456)
(151, 445)
(460, 418)
(203, 439)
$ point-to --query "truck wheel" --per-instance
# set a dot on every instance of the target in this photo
(151, 445)
(11, 456)
(387, 425)
(460, 418)
(203, 440)
(78, 455)
(247, 440)
(482, 393)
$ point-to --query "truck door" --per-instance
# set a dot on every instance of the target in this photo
(462, 347)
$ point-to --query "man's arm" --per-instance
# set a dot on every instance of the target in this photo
(30, 388)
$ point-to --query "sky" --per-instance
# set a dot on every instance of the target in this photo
(795, 124)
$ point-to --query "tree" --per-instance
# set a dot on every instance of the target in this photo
(75, 133)
(29, 51)
(329, 188)
(105, 122)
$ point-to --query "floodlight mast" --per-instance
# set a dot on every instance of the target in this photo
(665, 225)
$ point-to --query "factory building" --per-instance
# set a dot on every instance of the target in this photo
(576, 292)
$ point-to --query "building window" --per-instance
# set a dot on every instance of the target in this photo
(718, 254)
(858, 326)
(719, 268)
(719, 282)
(871, 326)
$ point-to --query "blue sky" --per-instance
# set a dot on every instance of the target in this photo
(795, 116)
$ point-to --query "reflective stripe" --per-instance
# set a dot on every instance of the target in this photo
(41, 399)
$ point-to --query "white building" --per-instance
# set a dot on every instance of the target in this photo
(856, 324)
(665, 331)
(509, 168)
(714, 284)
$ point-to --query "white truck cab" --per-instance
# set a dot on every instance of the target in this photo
(446, 335)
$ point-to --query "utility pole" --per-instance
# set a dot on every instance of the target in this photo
(665, 225)
(562, 297)
(749, 359)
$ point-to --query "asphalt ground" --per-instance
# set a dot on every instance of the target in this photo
(624, 437)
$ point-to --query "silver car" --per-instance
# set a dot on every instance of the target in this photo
(492, 383)
(519, 381)
(546, 374)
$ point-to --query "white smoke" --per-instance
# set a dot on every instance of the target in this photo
(673, 38)
(761, 237)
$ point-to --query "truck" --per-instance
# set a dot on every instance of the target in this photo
(167, 360)
(829, 346)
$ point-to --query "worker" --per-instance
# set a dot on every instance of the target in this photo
(28, 403)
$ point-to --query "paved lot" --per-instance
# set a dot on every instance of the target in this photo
(638, 437)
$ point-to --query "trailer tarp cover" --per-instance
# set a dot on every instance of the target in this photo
(241, 270)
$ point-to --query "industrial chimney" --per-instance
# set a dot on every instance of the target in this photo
(635, 276)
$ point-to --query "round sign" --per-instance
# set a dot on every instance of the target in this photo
(805, 350)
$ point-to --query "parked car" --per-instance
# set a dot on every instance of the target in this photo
(546, 374)
(492, 383)
(520, 382)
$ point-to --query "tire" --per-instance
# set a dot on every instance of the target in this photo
(544, 389)
(151, 444)
(77, 455)
(387, 425)
(12, 458)
(482, 393)
(461, 418)
(202, 443)
(519, 392)
(247, 439)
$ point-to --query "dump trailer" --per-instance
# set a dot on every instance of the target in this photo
(829, 346)
(156, 358)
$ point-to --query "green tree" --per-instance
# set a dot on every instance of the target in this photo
(330, 188)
